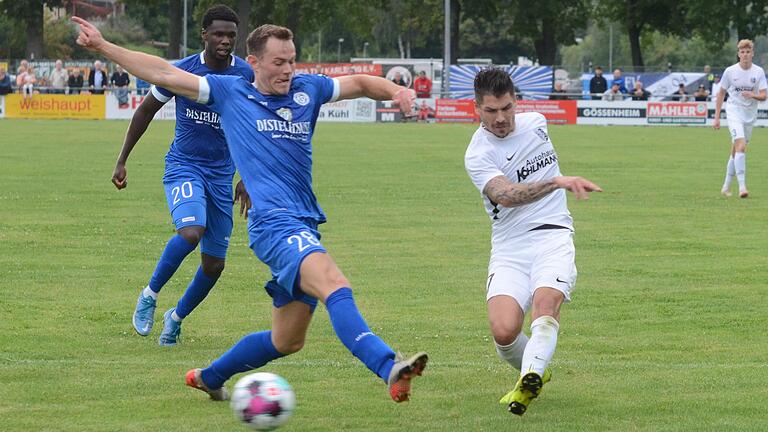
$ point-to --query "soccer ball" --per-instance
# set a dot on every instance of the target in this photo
(263, 400)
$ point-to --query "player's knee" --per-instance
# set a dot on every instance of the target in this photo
(213, 267)
(504, 333)
(289, 346)
(192, 234)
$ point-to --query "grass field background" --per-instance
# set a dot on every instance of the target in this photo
(666, 330)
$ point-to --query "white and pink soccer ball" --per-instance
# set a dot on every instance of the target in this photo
(263, 401)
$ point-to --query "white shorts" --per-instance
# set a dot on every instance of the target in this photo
(535, 259)
(740, 130)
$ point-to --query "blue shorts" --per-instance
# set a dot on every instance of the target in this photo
(195, 199)
(282, 241)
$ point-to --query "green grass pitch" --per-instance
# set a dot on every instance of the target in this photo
(666, 330)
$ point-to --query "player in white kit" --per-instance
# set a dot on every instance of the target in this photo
(746, 85)
(512, 162)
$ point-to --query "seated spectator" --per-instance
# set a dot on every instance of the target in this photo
(398, 79)
(75, 82)
(558, 93)
(680, 95)
(28, 83)
(424, 111)
(613, 93)
(5, 82)
(639, 93)
(701, 94)
(120, 81)
(58, 78)
(422, 85)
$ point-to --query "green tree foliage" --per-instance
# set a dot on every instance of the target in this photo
(715, 19)
(30, 13)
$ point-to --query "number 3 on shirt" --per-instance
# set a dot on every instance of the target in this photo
(185, 189)
(300, 240)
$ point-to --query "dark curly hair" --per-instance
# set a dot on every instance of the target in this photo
(219, 12)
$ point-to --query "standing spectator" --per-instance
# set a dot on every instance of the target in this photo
(5, 82)
(709, 76)
(58, 78)
(619, 79)
(639, 93)
(716, 89)
(613, 94)
(75, 82)
(598, 85)
(701, 94)
(558, 93)
(398, 79)
(120, 81)
(422, 85)
(97, 79)
(681, 95)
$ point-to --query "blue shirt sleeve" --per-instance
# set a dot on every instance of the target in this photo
(325, 87)
(220, 86)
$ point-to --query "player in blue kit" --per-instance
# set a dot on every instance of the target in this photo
(269, 125)
(197, 180)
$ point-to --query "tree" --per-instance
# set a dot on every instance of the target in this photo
(749, 18)
(549, 24)
(30, 12)
(174, 28)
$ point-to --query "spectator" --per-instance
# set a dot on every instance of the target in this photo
(398, 79)
(28, 83)
(120, 81)
(716, 89)
(21, 73)
(97, 79)
(424, 111)
(709, 76)
(680, 95)
(58, 78)
(618, 78)
(422, 85)
(75, 82)
(613, 94)
(5, 82)
(701, 94)
(598, 85)
(558, 93)
(639, 93)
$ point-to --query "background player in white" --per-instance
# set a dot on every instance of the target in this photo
(512, 162)
(745, 84)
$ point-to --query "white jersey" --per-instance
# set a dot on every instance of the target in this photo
(736, 80)
(524, 156)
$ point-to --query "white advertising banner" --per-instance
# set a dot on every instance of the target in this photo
(125, 112)
(352, 110)
(643, 113)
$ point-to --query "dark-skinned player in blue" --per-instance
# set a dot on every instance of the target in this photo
(198, 178)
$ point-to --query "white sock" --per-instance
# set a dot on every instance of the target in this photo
(541, 346)
(513, 353)
(740, 163)
(149, 293)
(730, 171)
(175, 317)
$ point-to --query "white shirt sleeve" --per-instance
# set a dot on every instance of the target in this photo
(761, 83)
(481, 169)
(203, 91)
(336, 90)
(159, 96)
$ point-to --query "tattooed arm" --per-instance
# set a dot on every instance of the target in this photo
(502, 191)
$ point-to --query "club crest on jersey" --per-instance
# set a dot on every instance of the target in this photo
(285, 113)
(543, 135)
(753, 80)
(301, 98)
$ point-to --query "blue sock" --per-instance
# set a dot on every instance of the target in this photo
(251, 352)
(196, 292)
(175, 251)
(354, 333)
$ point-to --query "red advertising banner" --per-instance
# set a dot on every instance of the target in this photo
(455, 110)
(556, 111)
(677, 112)
(338, 69)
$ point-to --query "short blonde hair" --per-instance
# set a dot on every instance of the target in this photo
(745, 43)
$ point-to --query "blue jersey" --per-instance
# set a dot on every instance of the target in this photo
(270, 139)
(199, 139)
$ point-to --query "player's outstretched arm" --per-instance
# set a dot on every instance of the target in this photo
(139, 123)
(502, 191)
(150, 68)
(376, 88)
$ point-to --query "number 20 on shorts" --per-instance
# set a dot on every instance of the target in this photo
(185, 190)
